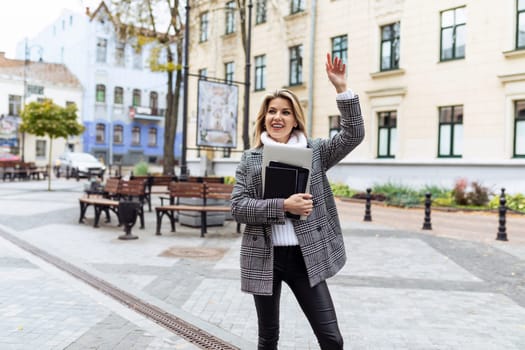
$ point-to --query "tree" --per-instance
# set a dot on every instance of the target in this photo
(51, 120)
(140, 22)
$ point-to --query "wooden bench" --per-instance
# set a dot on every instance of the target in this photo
(115, 191)
(197, 190)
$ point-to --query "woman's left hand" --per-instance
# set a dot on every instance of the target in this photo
(336, 71)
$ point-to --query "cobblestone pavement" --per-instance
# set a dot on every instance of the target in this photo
(454, 287)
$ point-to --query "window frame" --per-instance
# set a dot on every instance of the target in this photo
(100, 133)
(296, 6)
(260, 11)
(390, 146)
(135, 135)
(260, 73)
(100, 93)
(15, 105)
(295, 65)
(229, 72)
(340, 47)
(136, 98)
(453, 129)
(120, 54)
(455, 26)
(520, 22)
(518, 119)
(152, 137)
(118, 134)
(393, 44)
(118, 95)
(40, 148)
(229, 27)
(203, 26)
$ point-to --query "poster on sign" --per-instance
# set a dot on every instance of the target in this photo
(217, 114)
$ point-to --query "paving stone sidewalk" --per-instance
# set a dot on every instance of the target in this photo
(401, 288)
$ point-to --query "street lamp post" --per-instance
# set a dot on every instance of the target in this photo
(246, 119)
(183, 165)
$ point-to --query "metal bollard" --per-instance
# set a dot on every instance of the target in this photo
(368, 214)
(427, 225)
(502, 231)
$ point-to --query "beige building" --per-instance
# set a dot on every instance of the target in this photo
(39, 80)
(441, 83)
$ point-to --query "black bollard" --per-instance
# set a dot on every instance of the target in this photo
(427, 225)
(502, 231)
(368, 214)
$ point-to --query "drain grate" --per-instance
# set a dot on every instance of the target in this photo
(185, 330)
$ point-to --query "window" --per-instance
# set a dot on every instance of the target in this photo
(100, 93)
(40, 149)
(387, 134)
(334, 121)
(120, 54)
(15, 105)
(203, 73)
(519, 129)
(100, 133)
(389, 47)
(226, 152)
(296, 6)
(136, 97)
(118, 99)
(230, 17)
(340, 47)
(118, 134)
(229, 68)
(154, 102)
(520, 25)
(260, 11)
(102, 46)
(135, 136)
(450, 131)
(137, 58)
(260, 72)
(152, 137)
(453, 23)
(204, 22)
(70, 103)
(296, 65)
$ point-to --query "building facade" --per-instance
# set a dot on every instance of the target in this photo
(441, 83)
(22, 82)
(124, 101)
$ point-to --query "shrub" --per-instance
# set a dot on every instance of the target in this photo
(479, 195)
(460, 191)
(229, 179)
(342, 190)
(514, 202)
(140, 169)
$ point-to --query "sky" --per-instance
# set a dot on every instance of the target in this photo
(25, 18)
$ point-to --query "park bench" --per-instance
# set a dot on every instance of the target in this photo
(114, 192)
(198, 190)
(155, 184)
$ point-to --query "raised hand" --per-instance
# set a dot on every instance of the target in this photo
(336, 70)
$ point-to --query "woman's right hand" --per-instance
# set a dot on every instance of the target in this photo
(299, 204)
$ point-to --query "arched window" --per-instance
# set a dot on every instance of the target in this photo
(136, 97)
(119, 95)
(152, 137)
(135, 136)
(101, 93)
(100, 133)
(118, 132)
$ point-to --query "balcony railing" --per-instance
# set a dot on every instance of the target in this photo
(146, 113)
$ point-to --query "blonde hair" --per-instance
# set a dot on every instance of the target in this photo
(261, 115)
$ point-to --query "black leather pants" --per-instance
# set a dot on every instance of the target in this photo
(315, 302)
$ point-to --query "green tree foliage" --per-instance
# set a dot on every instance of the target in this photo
(51, 120)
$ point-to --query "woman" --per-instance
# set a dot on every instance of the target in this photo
(302, 253)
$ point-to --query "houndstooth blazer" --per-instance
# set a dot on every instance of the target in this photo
(320, 236)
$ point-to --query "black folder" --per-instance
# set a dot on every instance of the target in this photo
(282, 180)
(279, 182)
